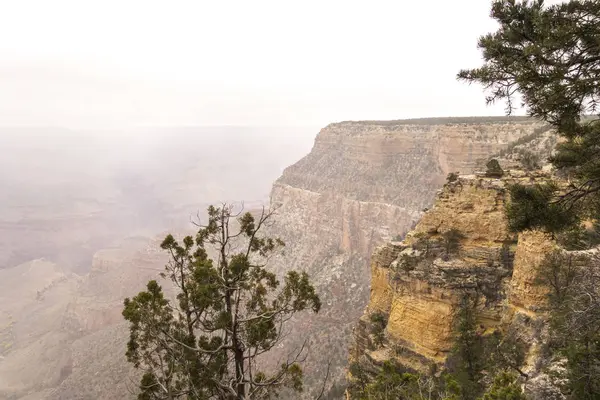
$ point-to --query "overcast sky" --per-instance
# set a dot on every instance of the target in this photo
(99, 63)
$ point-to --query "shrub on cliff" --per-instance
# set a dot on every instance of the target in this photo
(452, 177)
(423, 243)
(378, 323)
(451, 242)
(228, 311)
(549, 56)
(505, 387)
(529, 160)
(493, 169)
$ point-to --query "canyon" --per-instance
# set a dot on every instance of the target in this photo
(81, 221)
(362, 185)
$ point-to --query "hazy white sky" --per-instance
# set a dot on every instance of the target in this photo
(276, 62)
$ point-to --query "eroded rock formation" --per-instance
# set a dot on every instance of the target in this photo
(417, 284)
(365, 183)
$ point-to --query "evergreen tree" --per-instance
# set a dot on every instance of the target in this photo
(493, 169)
(532, 207)
(390, 383)
(550, 56)
(583, 366)
(394, 382)
(505, 387)
(228, 311)
(451, 242)
(468, 357)
(378, 324)
(574, 282)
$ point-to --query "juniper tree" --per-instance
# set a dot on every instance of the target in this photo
(505, 387)
(467, 361)
(378, 324)
(549, 57)
(451, 242)
(227, 312)
(493, 169)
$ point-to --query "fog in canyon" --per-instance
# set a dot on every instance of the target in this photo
(76, 202)
(121, 121)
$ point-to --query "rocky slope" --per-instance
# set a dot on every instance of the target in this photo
(416, 285)
(62, 335)
(365, 183)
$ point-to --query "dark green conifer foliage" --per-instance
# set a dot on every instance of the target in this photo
(378, 323)
(493, 169)
(532, 207)
(228, 311)
(451, 242)
(548, 56)
(505, 387)
(468, 354)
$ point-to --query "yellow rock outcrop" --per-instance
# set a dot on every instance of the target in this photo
(417, 285)
(525, 291)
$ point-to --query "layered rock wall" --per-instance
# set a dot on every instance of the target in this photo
(365, 183)
(417, 284)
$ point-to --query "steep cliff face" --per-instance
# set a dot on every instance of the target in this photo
(365, 183)
(461, 245)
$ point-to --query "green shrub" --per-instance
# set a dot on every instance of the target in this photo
(451, 242)
(505, 387)
(493, 169)
(452, 177)
(378, 323)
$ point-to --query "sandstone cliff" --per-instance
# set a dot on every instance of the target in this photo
(417, 283)
(365, 183)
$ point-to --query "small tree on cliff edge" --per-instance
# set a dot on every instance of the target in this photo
(227, 312)
(550, 55)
